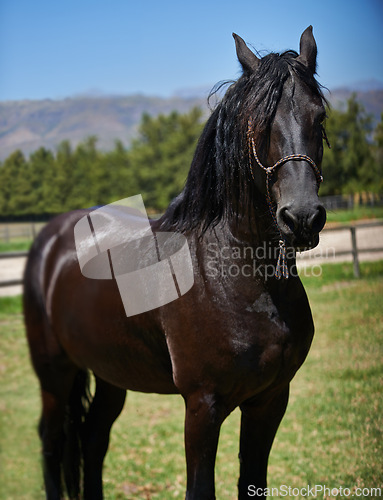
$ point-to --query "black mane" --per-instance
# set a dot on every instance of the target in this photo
(219, 185)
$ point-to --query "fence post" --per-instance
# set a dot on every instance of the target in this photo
(355, 252)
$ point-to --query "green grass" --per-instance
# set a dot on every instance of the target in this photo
(10, 306)
(332, 433)
(357, 213)
(318, 276)
(15, 246)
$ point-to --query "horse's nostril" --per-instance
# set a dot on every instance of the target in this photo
(296, 221)
(317, 219)
(289, 219)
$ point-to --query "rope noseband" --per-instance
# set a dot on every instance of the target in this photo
(281, 269)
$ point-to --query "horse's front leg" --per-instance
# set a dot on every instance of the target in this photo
(202, 426)
(259, 424)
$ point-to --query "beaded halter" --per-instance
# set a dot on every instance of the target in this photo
(281, 269)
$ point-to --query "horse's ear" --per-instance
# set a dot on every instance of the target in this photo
(308, 49)
(246, 57)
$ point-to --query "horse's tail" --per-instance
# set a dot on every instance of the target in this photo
(76, 411)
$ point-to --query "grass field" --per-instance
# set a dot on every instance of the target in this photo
(332, 433)
(15, 246)
(355, 214)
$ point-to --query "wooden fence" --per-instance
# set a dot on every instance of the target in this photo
(11, 231)
(355, 251)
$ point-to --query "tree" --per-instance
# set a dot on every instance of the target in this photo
(155, 166)
(58, 181)
(162, 154)
(378, 153)
(14, 188)
(41, 168)
(114, 177)
(349, 165)
(83, 189)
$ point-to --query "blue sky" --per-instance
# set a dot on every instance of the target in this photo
(54, 49)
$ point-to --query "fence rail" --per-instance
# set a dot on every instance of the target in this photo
(337, 202)
(354, 251)
(13, 255)
(19, 230)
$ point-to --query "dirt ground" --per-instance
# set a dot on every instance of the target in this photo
(331, 243)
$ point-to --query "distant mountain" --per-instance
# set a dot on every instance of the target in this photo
(365, 86)
(368, 92)
(28, 125)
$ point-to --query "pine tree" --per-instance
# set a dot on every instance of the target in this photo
(378, 154)
(162, 154)
(41, 168)
(14, 189)
(349, 164)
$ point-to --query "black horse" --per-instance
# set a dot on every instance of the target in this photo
(238, 336)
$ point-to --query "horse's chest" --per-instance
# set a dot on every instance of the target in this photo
(266, 347)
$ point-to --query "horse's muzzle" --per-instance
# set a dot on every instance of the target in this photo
(301, 226)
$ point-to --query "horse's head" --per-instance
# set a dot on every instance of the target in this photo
(285, 123)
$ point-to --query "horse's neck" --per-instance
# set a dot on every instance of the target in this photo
(244, 255)
(254, 227)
